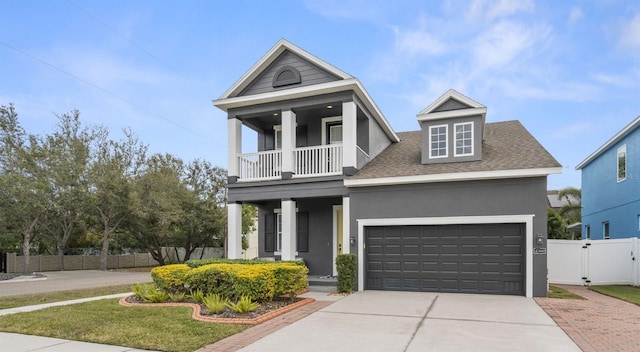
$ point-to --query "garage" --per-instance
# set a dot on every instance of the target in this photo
(461, 258)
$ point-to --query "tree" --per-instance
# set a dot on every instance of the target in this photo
(111, 184)
(556, 226)
(572, 211)
(23, 187)
(249, 215)
(67, 158)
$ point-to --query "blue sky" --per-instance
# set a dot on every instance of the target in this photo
(568, 70)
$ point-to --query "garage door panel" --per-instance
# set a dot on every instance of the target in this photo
(446, 258)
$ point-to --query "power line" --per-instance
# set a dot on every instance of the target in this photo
(90, 15)
(105, 91)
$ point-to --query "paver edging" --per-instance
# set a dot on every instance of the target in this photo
(198, 316)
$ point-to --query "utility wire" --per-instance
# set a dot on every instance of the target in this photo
(90, 15)
(105, 91)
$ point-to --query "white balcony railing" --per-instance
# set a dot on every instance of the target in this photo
(260, 166)
(318, 160)
(323, 160)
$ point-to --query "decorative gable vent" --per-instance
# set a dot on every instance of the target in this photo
(285, 76)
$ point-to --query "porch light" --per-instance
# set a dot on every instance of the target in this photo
(329, 106)
(275, 114)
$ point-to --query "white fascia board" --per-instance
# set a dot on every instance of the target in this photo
(615, 139)
(270, 57)
(451, 93)
(308, 91)
(452, 113)
(452, 177)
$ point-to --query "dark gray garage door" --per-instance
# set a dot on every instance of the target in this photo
(484, 258)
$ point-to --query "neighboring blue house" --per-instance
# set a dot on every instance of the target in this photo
(611, 187)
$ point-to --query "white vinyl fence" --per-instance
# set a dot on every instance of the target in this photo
(594, 262)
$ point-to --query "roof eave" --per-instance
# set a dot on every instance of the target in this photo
(612, 141)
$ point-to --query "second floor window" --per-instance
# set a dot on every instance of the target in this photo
(438, 141)
(622, 163)
(464, 139)
(335, 133)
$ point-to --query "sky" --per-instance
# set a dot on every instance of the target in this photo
(569, 71)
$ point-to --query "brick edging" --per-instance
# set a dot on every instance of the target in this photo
(198, 316)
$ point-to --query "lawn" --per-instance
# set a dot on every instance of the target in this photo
(557, 292)
(40, 298)
(626, 293)
(107, 322)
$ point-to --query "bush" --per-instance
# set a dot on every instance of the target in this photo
(234, 281)
(170, 277)
(201, 262)
(346, 266)
(290, 279)
(197, 295)
(244, 305)
(215, 303)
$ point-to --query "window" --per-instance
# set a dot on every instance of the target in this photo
(438, 141)
(464, 139)
(622, 163)
(277, 135)
(605, 230)
(278, 232)
(587, 230)
(335, 133)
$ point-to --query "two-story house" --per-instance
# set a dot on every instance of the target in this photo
(611, 187)
(457, 206)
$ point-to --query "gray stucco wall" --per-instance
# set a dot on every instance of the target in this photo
(475, 198)
(310, 74)
(319, 258)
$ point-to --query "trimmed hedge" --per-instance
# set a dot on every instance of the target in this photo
(170, 277)
(194, 263)
(259, 281)
(346, 265)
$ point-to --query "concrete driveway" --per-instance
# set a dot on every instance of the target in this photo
(408, 321)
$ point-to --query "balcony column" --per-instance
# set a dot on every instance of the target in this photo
(234, 136)
(289, 229)
(349, 137)
(234, 230)
(288, 143)
(346, 226)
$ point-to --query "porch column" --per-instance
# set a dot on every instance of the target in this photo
(346, 226)
(234, 135)
(289, 230)
(288, 142)
(349, 137)
(234, 232)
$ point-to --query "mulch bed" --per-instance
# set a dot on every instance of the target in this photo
(266, 310)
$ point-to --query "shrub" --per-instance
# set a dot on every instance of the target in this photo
(197, 295)
(290, 279)
(244, 305)
(232, 280)
(177, 296)
(215, 303)
(194, 263)
(346, 266)
(170, 277)
(142, 291)
(158, 296)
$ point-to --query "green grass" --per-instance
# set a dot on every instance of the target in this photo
(106, 321)
(557, 292)
(48, 297)
(626, 293)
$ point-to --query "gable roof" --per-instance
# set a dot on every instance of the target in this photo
(509, 151)
(614, 140)
(431, 112)
(281, 46)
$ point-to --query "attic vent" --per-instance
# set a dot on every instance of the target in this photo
(285, 76)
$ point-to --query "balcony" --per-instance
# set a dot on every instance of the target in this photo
(315, 161)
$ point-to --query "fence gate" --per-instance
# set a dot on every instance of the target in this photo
(3, 262)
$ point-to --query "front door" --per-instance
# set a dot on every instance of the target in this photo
(337, 235)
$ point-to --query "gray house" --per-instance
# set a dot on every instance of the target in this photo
(458, 206)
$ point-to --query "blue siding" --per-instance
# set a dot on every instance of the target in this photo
(606, 199)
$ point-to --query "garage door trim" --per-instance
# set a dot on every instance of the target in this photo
(454, 220)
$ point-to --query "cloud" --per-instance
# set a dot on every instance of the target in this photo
(575, 15)
(495, 9)
(572, 130)
(630, 34)
(418, 42)
(618, 80)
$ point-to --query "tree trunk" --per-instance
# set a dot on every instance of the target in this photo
(26, 238)
(60, 248)
(104, 252)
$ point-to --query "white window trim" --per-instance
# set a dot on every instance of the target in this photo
(455, 140)
(527, 219)
(587, 230)
(446, 142)
(326, 120)
(622, 149)
(277, 128)
(276, 251)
